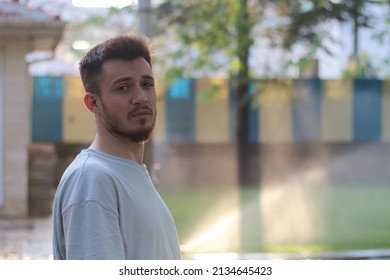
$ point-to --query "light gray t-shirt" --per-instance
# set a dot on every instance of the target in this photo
(106, 207)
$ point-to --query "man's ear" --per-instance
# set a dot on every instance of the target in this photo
(91, 101)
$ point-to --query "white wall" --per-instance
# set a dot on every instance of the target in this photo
(1, 127)
(16, 127)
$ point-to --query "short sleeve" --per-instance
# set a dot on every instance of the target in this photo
(92, 232)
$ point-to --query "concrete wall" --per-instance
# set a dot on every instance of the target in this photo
(193, 165)
(210, 111)
(306, 130)
(386, 111)
(76, 117)
(17, 104)
(281, 111)
(189, 165)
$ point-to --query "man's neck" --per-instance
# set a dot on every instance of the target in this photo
(118, 146)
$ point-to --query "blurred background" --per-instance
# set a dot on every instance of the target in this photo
(273, 128)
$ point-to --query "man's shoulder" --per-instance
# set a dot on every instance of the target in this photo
(86, 178)
(87, 163)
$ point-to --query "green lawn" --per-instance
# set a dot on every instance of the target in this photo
(282, 219)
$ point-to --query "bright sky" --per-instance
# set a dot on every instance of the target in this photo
(102, 3)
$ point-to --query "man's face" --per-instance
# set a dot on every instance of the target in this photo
(128, 99)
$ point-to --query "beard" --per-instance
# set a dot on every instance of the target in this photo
(114, 125)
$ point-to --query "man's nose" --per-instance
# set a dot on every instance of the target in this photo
(139, 96)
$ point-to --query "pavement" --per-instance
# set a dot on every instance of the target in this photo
(30, 239)
(25, 239)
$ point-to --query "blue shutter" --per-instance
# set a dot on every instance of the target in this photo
(180, 111)
(47, 109)
(367, 110)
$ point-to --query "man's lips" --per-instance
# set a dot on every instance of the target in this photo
(140, 112)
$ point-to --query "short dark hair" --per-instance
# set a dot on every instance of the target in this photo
(122, 47)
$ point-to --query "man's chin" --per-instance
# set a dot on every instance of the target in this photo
(141, 136)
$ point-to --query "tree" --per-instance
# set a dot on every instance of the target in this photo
(244, 25)
(217, 35)
(217, 29)
(382, 36)
(357, 11)
(308, 16)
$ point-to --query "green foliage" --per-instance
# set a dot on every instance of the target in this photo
(217, 35)
(307, 18)
(211, 93)
(360, 67)
(211, 32)
(382, 36)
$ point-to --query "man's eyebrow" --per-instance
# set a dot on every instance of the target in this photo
(148, 77)
(129, 79)
(123, 79)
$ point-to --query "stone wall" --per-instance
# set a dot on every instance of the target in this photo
(42, 162)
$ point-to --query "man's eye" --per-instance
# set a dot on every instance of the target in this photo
(148, 84)
(123, 88)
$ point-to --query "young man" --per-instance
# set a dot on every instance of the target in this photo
(106, 206)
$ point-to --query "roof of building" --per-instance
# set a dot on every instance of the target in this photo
(14, 12)
(43, 30)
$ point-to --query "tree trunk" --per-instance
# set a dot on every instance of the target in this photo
(355, 17)
(242, 91)
(242, 136)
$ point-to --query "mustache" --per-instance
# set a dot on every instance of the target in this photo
(140, 108)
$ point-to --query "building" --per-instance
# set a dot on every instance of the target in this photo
(22, 31)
